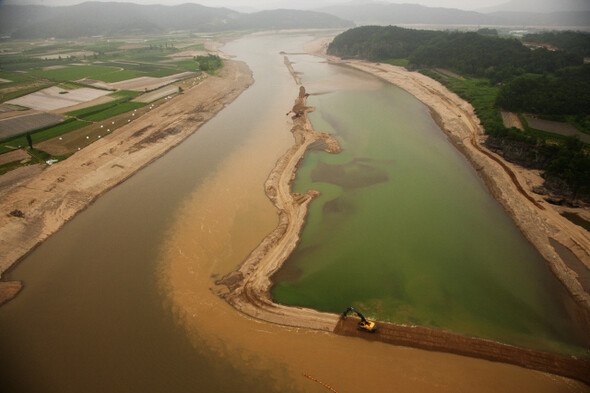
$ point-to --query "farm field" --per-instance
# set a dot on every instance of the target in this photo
(84, 87)
(21, 124)
(157, 94)
(55, 98)
(556, 127)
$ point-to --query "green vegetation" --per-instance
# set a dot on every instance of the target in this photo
(499, 73)
(108, 109)
(399, 62)
(498, 59)
(4, 168)
(42, 134)
(27, 88)
(114, 111)
(378, 43)
(125, 94)
(209, 63)
(569, 41)
(564, 93)
(188, 65)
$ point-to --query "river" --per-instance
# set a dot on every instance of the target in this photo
(406, 231)
(122, 298)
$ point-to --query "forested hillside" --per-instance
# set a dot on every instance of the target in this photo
(570, 41)
(500, 73)
(475, 54)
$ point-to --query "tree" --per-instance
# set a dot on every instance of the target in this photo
(29, 140)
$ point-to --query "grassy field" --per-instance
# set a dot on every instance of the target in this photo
(42, 134)
(72, 72)
(108, 109)
(399, 62)
(114, 111)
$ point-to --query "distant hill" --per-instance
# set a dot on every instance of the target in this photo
(543, 6)
(391, 14)
(98, 18)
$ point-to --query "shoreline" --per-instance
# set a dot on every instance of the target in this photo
(511, 185)
(248, 287)
(142, 140)
(55, 195)
(537, 220)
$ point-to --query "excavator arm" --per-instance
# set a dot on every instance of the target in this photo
(364, 324)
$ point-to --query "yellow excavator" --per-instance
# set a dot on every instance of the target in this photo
(364, 324)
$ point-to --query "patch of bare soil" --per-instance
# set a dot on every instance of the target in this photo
(510, 119)
(55, 98)
(556, 127)
(15, 155)
(18, 177)
(148, 82)
(22, 123)
(8, 290)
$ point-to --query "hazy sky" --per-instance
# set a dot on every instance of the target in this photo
(266, 4)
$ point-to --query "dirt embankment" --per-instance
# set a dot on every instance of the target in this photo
(249, 286)
(54, 196)
(436, 340)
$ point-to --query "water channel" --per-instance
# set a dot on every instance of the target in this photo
(406, 231)
(120, 299)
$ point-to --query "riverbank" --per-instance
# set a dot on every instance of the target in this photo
(539, 221)
(247, 288)
(51, 198)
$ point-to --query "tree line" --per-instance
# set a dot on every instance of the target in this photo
(209, 63)
(481, 55)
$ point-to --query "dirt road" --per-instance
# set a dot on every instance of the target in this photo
(436, 340)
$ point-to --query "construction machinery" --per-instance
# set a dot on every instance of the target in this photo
(364, 324)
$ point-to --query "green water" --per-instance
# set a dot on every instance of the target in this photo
(406, 231)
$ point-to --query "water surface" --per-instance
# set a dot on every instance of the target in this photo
(406, 231)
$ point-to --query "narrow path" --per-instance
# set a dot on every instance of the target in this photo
(435, 340)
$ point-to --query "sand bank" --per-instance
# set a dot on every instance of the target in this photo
(58, 193)
(249, 286)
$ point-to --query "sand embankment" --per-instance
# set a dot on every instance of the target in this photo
(33, 211)
(249, 286)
